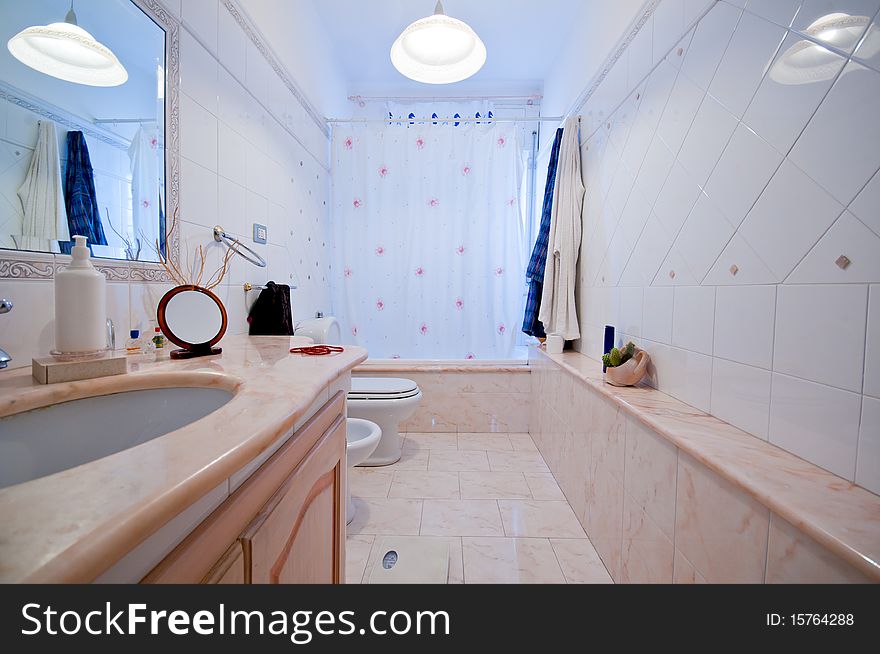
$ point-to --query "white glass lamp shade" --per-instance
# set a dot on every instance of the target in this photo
(68, 52)
(438, 49)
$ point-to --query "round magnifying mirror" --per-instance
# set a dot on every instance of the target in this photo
(193, 318)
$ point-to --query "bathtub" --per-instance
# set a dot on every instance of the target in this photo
(463, 395)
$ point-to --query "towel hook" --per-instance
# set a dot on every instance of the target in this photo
(234, 244)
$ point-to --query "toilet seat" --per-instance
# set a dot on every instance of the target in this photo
(382, 388)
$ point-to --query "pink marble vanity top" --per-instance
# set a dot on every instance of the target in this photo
(839, 515)
(72, 525)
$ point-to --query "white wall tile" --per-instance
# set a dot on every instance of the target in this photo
(655, 168)
(657, 92)
(709, 134)
(198, 133)
(201, 17)
(847, 237)
(231, 152)
(686, 375)
(674, 271)
(741, 396)
(820, 333)
(744, 324)
(693, 318)
(198, 193)
(866, 206)
(668, 26)
(872, 352)
(780, 12)
(745, 167)
(28, 331)
(788, 219)
(868, 466)
(232, 46)
(632, 221)
(676, 199)
(752, 47)
(630, 321)
(703, 237)
(850, 143)
(648, 254)
(679, 112)
(707, 46)
(813, 10)
(198, 72)
(816, 422)
(657, 314)
(232, 206)
(788, 96)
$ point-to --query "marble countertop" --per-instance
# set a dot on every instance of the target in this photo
(72, 525)
(836, 513)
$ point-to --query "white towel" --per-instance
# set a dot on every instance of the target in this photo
(144, 158)
(558, 310)
(42, 195)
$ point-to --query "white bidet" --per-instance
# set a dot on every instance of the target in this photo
(362, 438)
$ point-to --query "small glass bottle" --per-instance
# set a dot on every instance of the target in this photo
(133, 344)
(158, 339)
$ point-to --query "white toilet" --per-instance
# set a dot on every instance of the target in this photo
(362, 437)
(387, 401)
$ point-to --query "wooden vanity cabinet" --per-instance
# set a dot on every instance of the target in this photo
(285, 524)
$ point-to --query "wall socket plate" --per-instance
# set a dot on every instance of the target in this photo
(261, 233)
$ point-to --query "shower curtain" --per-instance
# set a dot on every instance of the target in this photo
(428, 240)
(144, 161)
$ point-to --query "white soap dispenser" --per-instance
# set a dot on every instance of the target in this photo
(80, 305)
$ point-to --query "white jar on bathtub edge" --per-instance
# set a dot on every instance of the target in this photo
(555, 343)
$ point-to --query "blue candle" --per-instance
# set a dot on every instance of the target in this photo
(609, 340)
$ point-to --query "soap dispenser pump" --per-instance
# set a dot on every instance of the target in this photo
(80, 305)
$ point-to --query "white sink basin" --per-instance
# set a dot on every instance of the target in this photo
(43, 441)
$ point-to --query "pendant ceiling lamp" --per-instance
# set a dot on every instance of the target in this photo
(66, 51)
(438, 49)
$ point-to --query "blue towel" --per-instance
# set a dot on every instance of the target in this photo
(535, 270)
(83, 216)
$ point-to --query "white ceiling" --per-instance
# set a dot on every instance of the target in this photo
(523, 39)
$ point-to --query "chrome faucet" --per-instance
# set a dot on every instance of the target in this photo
(5, 307)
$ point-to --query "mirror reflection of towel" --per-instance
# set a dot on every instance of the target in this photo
(83, 217)
(42, 200)
(270, 315)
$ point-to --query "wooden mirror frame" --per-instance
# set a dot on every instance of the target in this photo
(17, 264)
(191, 350)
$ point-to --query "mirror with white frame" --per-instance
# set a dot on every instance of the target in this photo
(83, 90)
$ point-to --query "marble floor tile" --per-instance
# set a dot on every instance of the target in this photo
(456, 568)
(543, 486)
(517, 462)
(461, 518)
(357, 552)
(579, 561)
(493, 486)
(457, 460)
(522, 442)
(510, 561)
(386, 516)
(369, 482)
(419, 484)
(539, 519)
(472, 441)
(410, 459)
(431, 441)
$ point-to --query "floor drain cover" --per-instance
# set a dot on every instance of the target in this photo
(413, 560)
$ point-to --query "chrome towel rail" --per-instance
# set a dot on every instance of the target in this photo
(237, 246)
(259, 287)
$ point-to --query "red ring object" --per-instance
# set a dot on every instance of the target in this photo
(316, 350)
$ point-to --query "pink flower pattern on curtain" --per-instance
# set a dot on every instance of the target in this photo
(432, 237)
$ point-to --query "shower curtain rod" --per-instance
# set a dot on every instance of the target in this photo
(440, 98)
(465, 119)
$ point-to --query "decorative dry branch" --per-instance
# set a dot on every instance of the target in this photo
(195, 265)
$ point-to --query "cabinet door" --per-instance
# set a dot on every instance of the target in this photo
(229, 569)
(299, 535)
